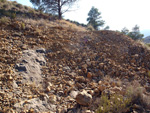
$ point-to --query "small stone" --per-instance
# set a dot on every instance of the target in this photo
(134, 112)
(63, 110)
(87, 111)
(52, 98)
(100, 82)
(48, 89)
(101, 87)
(10, 77)
(147, 88)
(89, 75)
(14, 84)
(31, 110)
(83, 98)
(73, 94)
(137, 107)
(80, 79)
(116, 89)
(24, 47)
(91, 92)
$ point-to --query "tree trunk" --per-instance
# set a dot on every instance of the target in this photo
(59, 10)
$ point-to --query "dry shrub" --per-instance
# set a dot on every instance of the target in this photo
(90, 27)
(137, 93)
(146, 46)
(55, 23)
(4, 20)
(114, 104)
(3, 0)
(69, 25)
(118, 103)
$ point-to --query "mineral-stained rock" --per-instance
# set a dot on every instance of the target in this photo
(83, 98)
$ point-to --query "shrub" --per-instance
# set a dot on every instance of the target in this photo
(148, 44)
(4, 20)
(3, 0)
(115, 104)
(13, 15)
(10, 14)
(22, 25)
(90, 27)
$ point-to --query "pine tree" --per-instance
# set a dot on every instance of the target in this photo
(94, 18)
(58, 7)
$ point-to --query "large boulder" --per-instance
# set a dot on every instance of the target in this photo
(83, 98)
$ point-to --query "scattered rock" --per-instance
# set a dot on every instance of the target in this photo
(52, 77)
(89, 75)
(83, 98)
(36, 104)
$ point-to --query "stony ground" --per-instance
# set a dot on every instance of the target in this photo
(56, 69)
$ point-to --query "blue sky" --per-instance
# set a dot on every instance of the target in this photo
(116, 13)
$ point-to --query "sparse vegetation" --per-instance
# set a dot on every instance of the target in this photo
(90, 27)
(3, 0)
(134, 34)
(22, 25)
(4, 20)
(115, 104)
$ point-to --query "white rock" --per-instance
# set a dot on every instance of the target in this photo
(73, 94)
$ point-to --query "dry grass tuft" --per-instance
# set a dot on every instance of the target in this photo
(55, 23)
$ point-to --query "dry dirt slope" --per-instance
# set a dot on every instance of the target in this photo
(78, 68)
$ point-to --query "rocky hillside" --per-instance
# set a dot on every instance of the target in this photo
(147, 40)
(58, 67)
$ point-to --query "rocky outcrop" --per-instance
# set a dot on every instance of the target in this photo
(30, 65)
